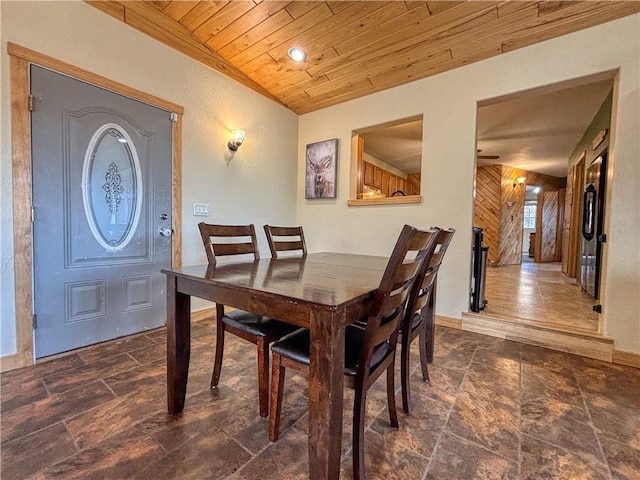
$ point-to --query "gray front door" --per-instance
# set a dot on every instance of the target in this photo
(102, 204)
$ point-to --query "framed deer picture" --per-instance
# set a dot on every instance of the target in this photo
(321, 160)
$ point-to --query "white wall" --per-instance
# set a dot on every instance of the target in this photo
(448, 102)
(258, 185)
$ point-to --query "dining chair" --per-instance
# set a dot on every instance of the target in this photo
(223, 240)
(285, 239)
(420, 312)
(368, 352)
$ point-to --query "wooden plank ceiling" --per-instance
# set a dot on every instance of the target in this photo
(353, 48)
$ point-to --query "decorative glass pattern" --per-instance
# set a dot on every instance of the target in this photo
(112, 187)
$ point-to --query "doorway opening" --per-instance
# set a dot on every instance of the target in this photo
(530, 176)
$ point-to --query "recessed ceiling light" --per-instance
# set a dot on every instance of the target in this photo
(297, 54)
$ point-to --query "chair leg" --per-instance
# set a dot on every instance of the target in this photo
(391, 396)
(430, 320)
(263, 377)
(217, 364)
(404, 373)
(359, 412)
(423, 338)
(277, 385)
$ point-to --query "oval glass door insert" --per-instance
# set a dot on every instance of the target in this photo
(112, 187)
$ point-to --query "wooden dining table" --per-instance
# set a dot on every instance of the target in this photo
(323, 292)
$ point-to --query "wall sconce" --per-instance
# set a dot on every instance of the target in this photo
(519, 181)
(237, 137)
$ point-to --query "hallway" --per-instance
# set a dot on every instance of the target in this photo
(538, 293)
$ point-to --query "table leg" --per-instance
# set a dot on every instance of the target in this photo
(178, 345)
(326, 380)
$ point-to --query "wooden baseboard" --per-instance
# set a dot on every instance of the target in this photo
(449, 322)
(586, 345)
(626, 358)
(203, 314)
(8, 362)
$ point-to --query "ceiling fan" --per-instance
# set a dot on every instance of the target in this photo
(487, 157)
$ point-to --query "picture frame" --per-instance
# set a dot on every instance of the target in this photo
(321, 160)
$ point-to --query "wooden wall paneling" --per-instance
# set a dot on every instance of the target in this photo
(538, 236)
(548, 227)
(545, 182)
(511, 217)
(560, 224)
(566, 225)
(487, 206)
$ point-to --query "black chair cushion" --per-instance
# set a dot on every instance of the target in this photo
(257, 325)
(296, 347)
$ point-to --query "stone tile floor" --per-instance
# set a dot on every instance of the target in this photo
(495, 410)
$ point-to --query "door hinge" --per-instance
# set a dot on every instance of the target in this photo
(35, 321)
(32, 103)
(174, 117)
(597, 308)
(603, 238)
(33, 214)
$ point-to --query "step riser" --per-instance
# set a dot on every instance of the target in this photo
(577, 344)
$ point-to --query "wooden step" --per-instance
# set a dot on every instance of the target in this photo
(586, 344)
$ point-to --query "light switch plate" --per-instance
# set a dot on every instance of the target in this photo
(201, 209)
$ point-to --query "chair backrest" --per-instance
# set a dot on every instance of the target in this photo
(442, 243)
(388, 309)
(285, 239)
(426, 278)
(221, 240)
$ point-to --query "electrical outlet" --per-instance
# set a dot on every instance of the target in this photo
(200, 209)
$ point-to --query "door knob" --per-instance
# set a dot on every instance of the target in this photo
(165, 231)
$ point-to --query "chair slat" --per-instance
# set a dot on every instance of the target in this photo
(245, 235)
(285, 246)
(223, 249)
(285, 239)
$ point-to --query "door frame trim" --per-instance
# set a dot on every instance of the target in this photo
(20, 58)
